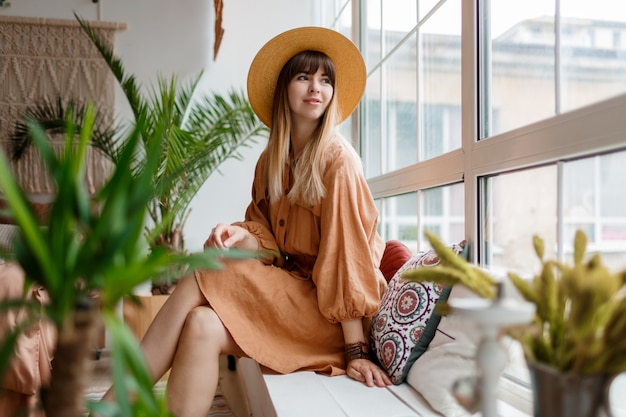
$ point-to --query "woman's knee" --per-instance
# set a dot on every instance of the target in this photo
(204, 318)
(204, 325)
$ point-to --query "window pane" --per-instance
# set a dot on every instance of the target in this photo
(439, 62)
(343, 22)
(399, 221)
(519, 205)
(399, 18)
(400, 108)
(372, 145)
(371, 47)
(406, 216)
(337, 14)
(439, 82)
(594, 201)
(417, 120)
(593, 46)
(425, 6)
(518, 71)
(345, 129)
(440, 213)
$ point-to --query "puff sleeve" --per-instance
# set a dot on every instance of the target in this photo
(349, 283)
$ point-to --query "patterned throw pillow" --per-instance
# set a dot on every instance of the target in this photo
(406, 322)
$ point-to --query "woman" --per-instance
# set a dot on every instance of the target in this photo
(305, 305)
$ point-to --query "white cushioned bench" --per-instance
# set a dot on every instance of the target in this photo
(306, 394)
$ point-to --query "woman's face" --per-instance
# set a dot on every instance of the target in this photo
(309, 95)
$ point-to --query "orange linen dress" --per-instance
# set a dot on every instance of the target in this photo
(285, 311)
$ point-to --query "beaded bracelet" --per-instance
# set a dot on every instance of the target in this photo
(358, 350)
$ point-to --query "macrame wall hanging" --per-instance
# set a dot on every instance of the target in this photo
(49, 59)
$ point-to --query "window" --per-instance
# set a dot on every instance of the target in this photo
(493, 120)
(413, 96)
(536, 63)
(592, 198)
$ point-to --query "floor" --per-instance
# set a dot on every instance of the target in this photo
(229, 382)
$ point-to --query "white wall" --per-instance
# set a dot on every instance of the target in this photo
(176, 37)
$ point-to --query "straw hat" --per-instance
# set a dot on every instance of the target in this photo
(270, 60)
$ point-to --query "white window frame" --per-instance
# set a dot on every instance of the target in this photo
(587, 131)
(591, 130)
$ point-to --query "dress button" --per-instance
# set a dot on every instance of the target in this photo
(281, 222)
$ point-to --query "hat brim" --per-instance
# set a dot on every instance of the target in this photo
(269, 61)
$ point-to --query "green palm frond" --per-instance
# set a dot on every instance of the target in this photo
(186, 93)
(51, 116)
(196, 136)
(217, 131)
(127, 82)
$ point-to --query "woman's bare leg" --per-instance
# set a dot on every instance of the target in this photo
(194, 376)
(161, 338)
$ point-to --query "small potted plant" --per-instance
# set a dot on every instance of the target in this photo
(575, 345)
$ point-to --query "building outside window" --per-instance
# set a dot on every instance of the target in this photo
(493, 121)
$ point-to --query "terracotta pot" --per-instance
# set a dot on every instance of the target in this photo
(557, 394)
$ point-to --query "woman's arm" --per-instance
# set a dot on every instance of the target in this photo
(358, 365)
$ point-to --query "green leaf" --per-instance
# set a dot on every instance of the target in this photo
(580, 247)
(30, 231)
(127, 356)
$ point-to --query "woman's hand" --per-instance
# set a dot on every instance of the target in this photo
(225, 236)
(358, 367)
(367, 372)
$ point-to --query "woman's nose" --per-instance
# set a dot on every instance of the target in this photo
(314, 88)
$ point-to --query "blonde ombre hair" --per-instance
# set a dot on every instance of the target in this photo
(308, 187)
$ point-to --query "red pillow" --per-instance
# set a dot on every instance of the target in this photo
(395, 255)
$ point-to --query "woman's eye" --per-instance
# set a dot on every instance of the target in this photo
(302, 77)
(326, 80)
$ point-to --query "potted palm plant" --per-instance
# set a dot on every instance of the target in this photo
(90, 254)
(195, 135)
(198, 134)
(576, 342)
